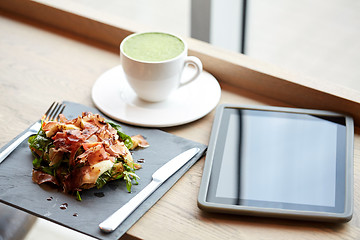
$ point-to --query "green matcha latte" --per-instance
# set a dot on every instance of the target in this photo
(153, 47)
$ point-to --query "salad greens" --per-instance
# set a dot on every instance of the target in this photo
(83, 153)
(126, 138)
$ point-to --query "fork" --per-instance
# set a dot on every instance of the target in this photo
(51, 114)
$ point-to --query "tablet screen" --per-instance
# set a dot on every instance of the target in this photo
(279, 160)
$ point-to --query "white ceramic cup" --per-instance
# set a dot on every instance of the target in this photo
(154, 81)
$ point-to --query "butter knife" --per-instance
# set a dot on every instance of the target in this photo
(159, 177)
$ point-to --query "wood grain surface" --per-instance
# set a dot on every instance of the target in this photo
(233, 68)
(39, 65)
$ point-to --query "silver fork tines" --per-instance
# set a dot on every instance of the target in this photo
(51, 115)
(53, 112)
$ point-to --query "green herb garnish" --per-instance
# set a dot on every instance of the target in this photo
(126, 138)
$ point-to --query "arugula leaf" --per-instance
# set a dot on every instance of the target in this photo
(39, 141)
(78, 196)
(129, 175)
(49, 170)
(37, 162)
(128, 181)
(102, 179)
(126, 138)
(127, 168)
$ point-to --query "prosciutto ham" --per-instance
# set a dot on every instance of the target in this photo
(77, 154)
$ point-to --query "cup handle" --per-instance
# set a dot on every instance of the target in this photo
(191, 60)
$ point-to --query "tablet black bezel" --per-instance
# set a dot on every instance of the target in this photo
(343, 203)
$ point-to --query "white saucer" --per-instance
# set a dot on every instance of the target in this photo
(114, 97)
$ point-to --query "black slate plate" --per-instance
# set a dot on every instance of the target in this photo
(18, 190)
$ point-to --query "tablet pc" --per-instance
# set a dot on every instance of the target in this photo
(279, 162)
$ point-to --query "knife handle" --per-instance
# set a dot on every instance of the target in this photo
(112, 222)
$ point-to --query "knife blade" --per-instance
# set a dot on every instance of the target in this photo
(159, 177)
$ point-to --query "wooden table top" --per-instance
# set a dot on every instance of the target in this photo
(39, 65)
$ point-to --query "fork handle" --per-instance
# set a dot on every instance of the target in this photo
(14, 145)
